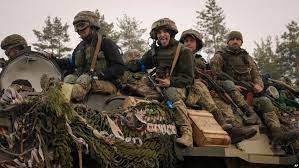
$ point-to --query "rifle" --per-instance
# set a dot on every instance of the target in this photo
(284, 85)
(248, 85)
(169, 103)
(222, 94)
(161, 91)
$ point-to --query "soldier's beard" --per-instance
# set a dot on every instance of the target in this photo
(234, 46)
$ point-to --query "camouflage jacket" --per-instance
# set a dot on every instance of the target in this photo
(236, 63)
(183, 73)
(110, 63)
(199, 64)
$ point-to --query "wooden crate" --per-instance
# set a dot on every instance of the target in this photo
(206, 130)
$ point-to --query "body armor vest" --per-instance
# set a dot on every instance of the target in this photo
(83, 58)
(237, 65)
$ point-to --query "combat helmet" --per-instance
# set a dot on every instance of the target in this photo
(194, 34)
(234, 34)
(165, 23)
(84, 19)
(12, 41)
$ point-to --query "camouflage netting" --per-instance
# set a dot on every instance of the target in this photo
(49, 132)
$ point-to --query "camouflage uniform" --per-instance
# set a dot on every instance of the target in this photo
(180, 79)
(200, 95)
(237, 63)
(203, 96)
(198, 92)
(109, 64)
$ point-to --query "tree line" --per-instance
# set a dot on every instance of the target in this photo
(275, 56)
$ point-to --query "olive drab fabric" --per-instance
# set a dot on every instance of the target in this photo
(165, 23)
(13, 41)
(83, 58)
(194, 34)
(109, 62)
(109, 66)
(183, 72)
(234, 34)
(180, 79)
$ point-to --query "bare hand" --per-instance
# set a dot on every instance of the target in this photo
(240, 88)
(257, 88)
(163, 82)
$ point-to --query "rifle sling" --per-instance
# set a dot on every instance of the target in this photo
(96, 52)
(176, 57)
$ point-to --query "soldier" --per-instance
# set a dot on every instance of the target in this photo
(13, 45)
(199, 93)
(97, 61)
(179, 77)
(236, 62)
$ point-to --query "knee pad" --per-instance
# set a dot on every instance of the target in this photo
(229, 86)
(84, 79)
(263, 104)
(70, 79)
(172, 94)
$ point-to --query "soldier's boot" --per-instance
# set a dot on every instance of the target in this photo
(290, 136)
(238, 134)
(273, 124)
(78, 93)
(252, 117)
(183, 124)
(284, 137)
(220, 120)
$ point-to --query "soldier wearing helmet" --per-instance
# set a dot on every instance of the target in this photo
(200, 95)
(101, 74)
(192, 39)
(240, 66)
(14, 45)
(175, 79)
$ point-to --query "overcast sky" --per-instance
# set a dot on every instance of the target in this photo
(254, 18)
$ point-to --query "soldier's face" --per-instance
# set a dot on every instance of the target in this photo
(11, 53)
(163, 37)
(85, 32)
(235, 42)
(190, 42)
